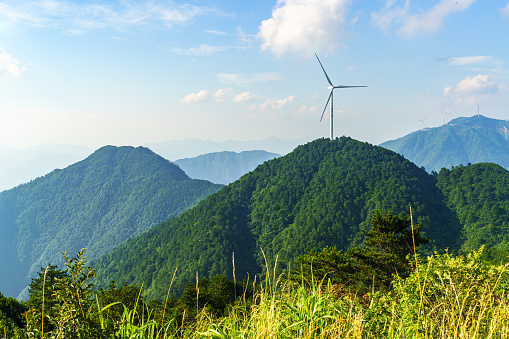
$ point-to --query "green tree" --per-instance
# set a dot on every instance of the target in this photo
(11, 312)
(386, 249)
(41, 299)
(126, 295)
(384, 252)
(329, 264)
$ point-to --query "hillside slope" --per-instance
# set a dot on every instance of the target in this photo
(114, 194)
(460, 142)
(223, 167)
(321, 194)
(479, 195)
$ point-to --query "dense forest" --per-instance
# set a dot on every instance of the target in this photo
(322, 194)
(223, 167)
(113, 195)
(463, 140)
(479, 195)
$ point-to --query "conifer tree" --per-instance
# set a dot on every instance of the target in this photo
(386, 249)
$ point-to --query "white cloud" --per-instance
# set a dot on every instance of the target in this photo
(309, 111)
(215, 32)
(244, 38)
(195, 97)
(245, 96)
(221, 93)
(176, 15)
(304, 26)
(278, 104)
(474, 86)
(9, 67)
(505, 10)
(74, 17)
(202, 50)
(423, 22)
(243, 80)
(460, 61)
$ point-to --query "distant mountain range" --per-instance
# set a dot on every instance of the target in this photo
(188, 148)
(21, 166)
(114, 194)
(462, 141)
(18, 166)
(321, 194)
(223, 167)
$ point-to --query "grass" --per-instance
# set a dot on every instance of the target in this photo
(446, 296)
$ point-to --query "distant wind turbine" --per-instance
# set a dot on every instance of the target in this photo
(445, 114)
(331, 99)
(423, 125)
(477, 108)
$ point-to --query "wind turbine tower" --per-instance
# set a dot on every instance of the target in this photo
(477, 108)
(423, 124)
(445, 114)
(331, 97)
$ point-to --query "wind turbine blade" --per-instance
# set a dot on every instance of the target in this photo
(476, 102)
(348, 86)
(330, 82)
(325, 108)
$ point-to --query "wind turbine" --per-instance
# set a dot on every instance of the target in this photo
(445, 114)
(331, 98)
(477, 108)
(423, 125)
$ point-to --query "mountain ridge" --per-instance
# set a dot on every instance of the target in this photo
(98, 203)
(461, 141)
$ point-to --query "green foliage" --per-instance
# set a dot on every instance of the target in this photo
(387, 249)
(328, 265)
(125, 296)
(385, 252)
(41, 303)
(445, 295)
(11, 311)
(479, 196)
(115, 194)
(216, 295)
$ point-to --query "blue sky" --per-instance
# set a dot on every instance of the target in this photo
(133, 72)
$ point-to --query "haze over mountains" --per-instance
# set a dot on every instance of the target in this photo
(114, 194)
(463, 140)
(18, 166)
(223, 167)
(21, 166)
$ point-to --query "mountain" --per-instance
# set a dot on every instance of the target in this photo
(20, 166)
(460, 142)
(223, 167)
(321, 194)
(114, 194)
(479, 196)
(188, 148)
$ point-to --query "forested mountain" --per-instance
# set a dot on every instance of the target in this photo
(114, 194)
(460, 142)
(223, 167)
(479, 195)
(321, 194)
